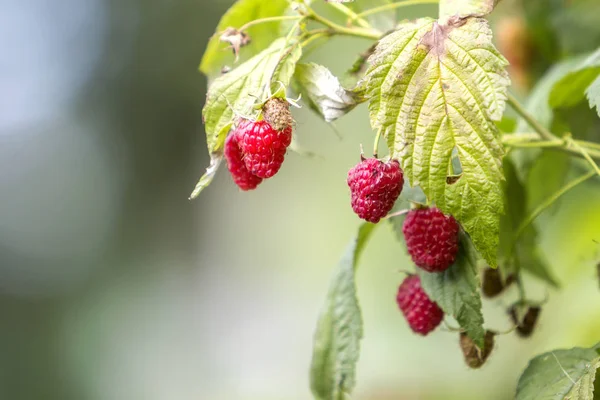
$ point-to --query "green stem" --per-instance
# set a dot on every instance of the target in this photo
(270, 19)
(393, 6)
(542, 207)
(376, 143)
(352, 15)
(590, 145)
(539, 128)
(340, 30)
(585, 154)
(533, 140)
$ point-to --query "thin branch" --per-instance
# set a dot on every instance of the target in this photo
(270, 19)
(393, 6)
(352, 15)
(539, 128)
(542, 207)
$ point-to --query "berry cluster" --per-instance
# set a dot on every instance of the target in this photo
(255, 150)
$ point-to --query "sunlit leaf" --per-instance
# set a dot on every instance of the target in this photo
(435, 89)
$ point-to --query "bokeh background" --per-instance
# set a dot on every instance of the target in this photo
(113, 286)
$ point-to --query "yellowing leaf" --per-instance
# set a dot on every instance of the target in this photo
(436, 90)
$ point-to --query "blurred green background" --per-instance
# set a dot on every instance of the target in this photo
(113, 286)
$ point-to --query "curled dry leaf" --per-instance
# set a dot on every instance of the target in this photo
(474, 356)
(525, 326)
(236, 39)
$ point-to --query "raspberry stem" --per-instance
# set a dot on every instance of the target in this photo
(269, 19)
(351, 15)
(392, 6)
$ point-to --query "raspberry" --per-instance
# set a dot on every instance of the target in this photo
(431, 238)
(263, 147)
(422, 314)
(374, 186)
(240, 174)
(474, 356)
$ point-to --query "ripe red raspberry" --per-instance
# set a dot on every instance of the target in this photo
(240, 174)
(431, 238)
(422, 314)
(263, 147)
(374, 186)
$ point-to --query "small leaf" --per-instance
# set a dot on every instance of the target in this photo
(437, 89)
(593, 95)
(339, 329)
(570, 89)
(465, 8)
(261, 35)
(239, 89)
(324, 91)
(456, 291)
(538, 102)
(209, 175)
(525, 252)
(560, 374)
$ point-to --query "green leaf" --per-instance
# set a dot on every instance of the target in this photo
(560, 374)
(238, 90)
(465, 8)
(456, 291)
(435, 89)
(324, 92)
(339, 329)
(209, 175)
(593, 95)
(261, 35)
(538, 102)
(525, 252)
(570, 89)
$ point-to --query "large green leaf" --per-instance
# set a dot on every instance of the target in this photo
(261, 35)
(236, 93)
(593, 95)
(570, 89)
(560, 374)
(464, 8)
(456, 291)
(522, 252)
(435, 89)
(324, 92)
(339, 329)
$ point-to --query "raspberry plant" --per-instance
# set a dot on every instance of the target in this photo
(436, 91)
